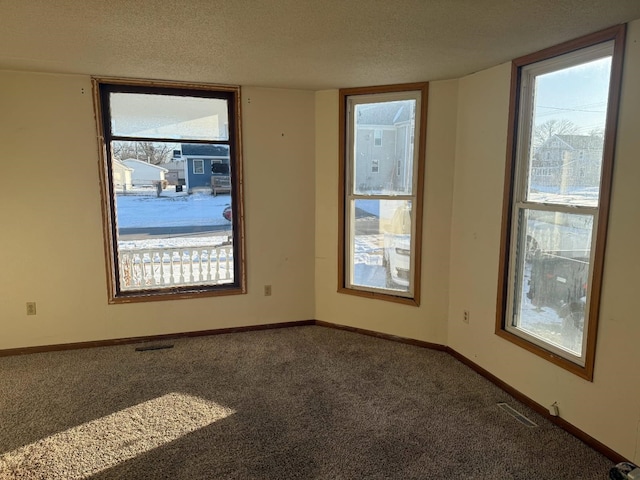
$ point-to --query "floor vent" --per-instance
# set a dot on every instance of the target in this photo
(517, 415)
(147, 348)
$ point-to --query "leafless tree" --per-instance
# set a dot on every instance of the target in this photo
(546, 130)
(155, 153)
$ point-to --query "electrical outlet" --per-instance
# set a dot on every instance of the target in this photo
(31, 308)
(465, 316)
(554, 410)
(267, 290)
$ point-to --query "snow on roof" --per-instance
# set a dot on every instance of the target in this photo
(119, 164)
(132, 162)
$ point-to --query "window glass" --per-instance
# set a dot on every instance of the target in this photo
(381, 244)
(569, 114)
(400, 117)
(147, 115)
(552, 277)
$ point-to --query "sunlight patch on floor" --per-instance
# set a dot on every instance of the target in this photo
(92, 447)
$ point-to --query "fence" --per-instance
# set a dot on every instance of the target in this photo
(175, 267)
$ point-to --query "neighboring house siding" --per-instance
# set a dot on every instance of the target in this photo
(567, 162)
(145, 173)
(175, 174)
(208, 154)
(199, 180)
(121, 176)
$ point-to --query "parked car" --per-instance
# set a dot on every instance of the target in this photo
(226, 213)
(559, 281)
(558, 251)
(397, 249)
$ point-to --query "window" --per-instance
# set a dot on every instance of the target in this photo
(381, 215)
(198, 166)
(164, 242)
(220, 167)
(564, 100)
(377, 138)
(375, 166)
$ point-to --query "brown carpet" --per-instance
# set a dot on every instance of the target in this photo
(295, 403)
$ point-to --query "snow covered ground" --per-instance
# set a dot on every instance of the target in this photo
(141, 208)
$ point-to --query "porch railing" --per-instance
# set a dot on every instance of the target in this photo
(175, 267)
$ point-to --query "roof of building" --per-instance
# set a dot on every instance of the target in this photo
(115, 163)
(204, 150)
(389, 113)
(132, 162)
(581, 141)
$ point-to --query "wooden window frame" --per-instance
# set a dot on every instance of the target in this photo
(344, 94)
(102, 86)
(617, 35)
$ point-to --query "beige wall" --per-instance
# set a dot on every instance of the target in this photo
(429, 321)
(51, 228)
(609, 407)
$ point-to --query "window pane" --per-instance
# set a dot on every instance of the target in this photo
(569, 113)
(381, 248)
(553, 263)
(383, 148)
(171, 231)
(165, 116)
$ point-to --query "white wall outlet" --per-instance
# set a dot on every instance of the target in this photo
(31, 308)
(267, 290)
(465, 316)
(554, 411)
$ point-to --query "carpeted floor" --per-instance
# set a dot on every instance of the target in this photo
(294, 403)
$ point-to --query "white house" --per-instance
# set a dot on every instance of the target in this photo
(144, 173)
(121, 175)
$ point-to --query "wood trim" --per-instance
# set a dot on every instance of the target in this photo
(140, 82)
(105, 190)
(140, 296)
(150, 338)
(540, 409)
(423, 87)
(384, 336)
(547, 355)
(398, 87)
(507, 207)
(342, 153)
(419, 204)
(378, 296)
(611, 33)
(617, 34)
(237, 193)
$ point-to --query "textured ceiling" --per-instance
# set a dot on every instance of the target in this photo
(307, 44)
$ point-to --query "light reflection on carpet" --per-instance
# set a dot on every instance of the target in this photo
(87, 449)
